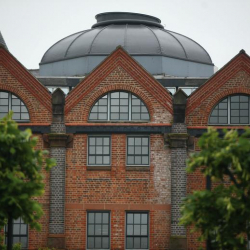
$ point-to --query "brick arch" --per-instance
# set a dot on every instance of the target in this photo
(219, 97)
(117, 87)
(23, 97)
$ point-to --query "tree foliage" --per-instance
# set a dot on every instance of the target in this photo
(20, 174)
(221, 214)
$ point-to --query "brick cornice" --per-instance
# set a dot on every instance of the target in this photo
(241, 62)
(17, 70)
(119, 58)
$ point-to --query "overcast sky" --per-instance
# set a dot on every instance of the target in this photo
(30, 27)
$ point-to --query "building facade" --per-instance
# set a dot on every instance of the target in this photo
(121, 121)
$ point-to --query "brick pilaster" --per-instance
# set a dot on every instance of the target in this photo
(57, 141)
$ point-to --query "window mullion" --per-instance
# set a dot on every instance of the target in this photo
(130, 107)
(229, 110)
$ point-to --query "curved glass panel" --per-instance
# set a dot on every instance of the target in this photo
(9, 102)
(231, 110)
(119, 106)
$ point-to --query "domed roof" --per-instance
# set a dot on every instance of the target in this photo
(138, 34)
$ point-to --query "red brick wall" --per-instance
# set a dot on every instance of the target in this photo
(118, 190)
(119, 79)
(37, 111)
(233, 78)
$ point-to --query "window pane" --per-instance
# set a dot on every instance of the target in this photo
(91, 217)
(137, 141)
(23, 229)
(130, 230)
(137, 229)
(98, 242)
(138, 150)
(144, 229)
(24, 242)
(16, 116)
(123, 116)
(235, 120)
(92, 150)
(129, 242)
(16, 102)
(105, 242)
(213, 120)
(145, 116)
(91, 242)
(223, 120)
(144, 219)
(137, 218)
(131, 141)
(145, 160)
(235, 105)
(4, 95)
(131, 160)
(138, 160)
(130, 218)
(131, 150)
(136, 116)
(235, 113)
(144, 242)
(235, 98)
(92, 160)
(98, 218)
(98, 150)
(91, 230)
(16, 229)
(106, 160)
(244, 113)
(137, 243)
(244, 120)
(105, 229)
(25, 116)
(105, 218)
(243, 105)
(222, 112)
(4, 102)
(98, 229)
(243, 98)
(4, 109)
(145, 150)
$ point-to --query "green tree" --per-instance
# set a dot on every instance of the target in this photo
(20, 174)
(221, 214)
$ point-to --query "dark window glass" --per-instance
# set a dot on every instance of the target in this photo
(119, 106)
(98, 230)
(138, 109)
(20, 233)
(137, 231)
(98, 150)
(137, 150)
(10, 102)
(231, 110)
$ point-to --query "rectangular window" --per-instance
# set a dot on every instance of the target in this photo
(20, 233)
(137, 150)
(98, 230)
(137, 230)
(99, 150)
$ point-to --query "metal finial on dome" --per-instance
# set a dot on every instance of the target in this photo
(126, 18)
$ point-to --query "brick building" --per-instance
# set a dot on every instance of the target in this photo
(120, 107)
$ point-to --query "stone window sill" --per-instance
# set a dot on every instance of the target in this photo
(98, 168)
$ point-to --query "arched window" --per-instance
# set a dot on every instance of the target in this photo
(231, 110)
(9, 102)
(119, 106)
